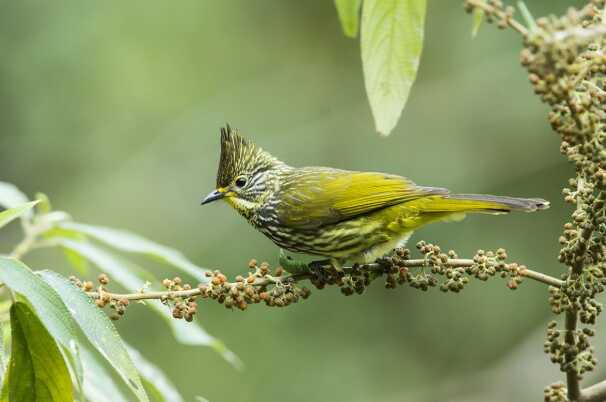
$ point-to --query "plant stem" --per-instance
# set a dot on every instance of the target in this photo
(594, 393)
(297, 277)
(489, 9)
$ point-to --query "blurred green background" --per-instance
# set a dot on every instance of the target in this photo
(113, 109)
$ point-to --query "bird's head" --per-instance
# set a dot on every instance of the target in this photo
(246, 173)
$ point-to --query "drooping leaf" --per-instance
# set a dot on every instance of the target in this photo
(13, 213)
(11, 196)
(478, 17)
(2, 354)
(37, 371)
(132, 278)
(154, 378)
(76, 260)
(73, 359)
(391, 42)
(97, 383)
(349, 15)
(58, 319)
(132, 243)
(98, 328)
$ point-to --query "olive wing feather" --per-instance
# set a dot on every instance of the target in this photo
(312, 197)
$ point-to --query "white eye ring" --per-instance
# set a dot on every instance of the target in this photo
(241, 181)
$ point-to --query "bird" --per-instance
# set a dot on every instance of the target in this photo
(338, 215)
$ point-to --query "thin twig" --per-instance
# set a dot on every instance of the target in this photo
(489, 9)
(297, 277)
(594, 393)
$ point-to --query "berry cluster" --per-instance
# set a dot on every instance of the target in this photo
(117, 305)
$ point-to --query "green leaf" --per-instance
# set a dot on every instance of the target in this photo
(132, 243)
(56, 317)
(11, 196)
(97, 383)
(98, 328)
(391, 41)
(478, 17)
(13, 213)
(349, 15)
(72, 356)
(160, 386)
(130, 277)
(37, 371)
(45, 206)
(76, 260)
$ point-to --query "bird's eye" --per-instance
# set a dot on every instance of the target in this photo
(241, 181)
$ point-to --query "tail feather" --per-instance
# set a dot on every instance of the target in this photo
(495, 203)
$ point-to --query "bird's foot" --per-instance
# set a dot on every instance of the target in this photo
(326, 271)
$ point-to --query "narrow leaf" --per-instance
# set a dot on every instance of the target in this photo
(58, 320)
(13, 213)
(132, 277)
(391, 41)
(164, 389)
(132, 243)
(349, 15)
(478, 17)
(97, 383)
(98, 328)
(72, 356)
(78, 262)
(11, 196)
(37, 371)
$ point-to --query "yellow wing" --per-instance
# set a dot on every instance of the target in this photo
(312, 197)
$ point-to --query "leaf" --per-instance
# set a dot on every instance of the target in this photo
(478, 17)
(97, 383)
(130, 276)
(37, 371)
(13, 213)
(391, 42)
(2, 354)
(72, 355)
(349, 15)
(163, 389)
(98, 328)
(132, 243)
(58, 320)
(11, 196)
(76, 260)
(45, 206)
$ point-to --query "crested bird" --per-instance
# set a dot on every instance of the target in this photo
(336, 214)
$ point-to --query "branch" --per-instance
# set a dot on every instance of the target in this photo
(504, 15)
(594, 393)
(281, 288)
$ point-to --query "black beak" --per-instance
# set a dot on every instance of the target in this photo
(213, 196)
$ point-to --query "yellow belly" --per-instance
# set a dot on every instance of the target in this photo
(380, 232)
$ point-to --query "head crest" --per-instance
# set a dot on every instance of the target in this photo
(239, 156)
